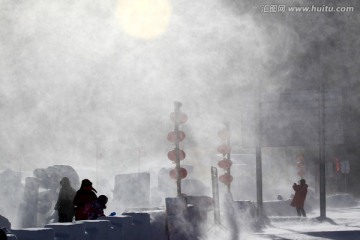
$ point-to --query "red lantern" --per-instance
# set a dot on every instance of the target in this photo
(172, 154)
(225, 164)
(226, 178)
(182, 117)
(224, 134)
(182, 173)
(300, 157)
(337, 165)
(299, 164)
(172, 136)
(224, 149)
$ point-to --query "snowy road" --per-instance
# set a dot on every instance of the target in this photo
(344, 224)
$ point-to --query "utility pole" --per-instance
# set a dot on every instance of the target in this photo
(259, 191)
(322, 152)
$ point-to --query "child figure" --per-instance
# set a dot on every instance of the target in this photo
(98, 206)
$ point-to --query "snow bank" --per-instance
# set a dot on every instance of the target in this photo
(34, 233)
(66, 231)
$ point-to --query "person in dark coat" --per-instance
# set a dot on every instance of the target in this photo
(98, 206)
(84, 199)
(3, 235)
(64, 204)
(299, 197)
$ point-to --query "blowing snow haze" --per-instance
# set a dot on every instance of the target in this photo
(73, 79)
(78, 77)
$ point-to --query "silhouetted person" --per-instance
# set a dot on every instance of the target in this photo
(299, 197)
(84, 199)
(64, 204)
(98, 206)
(3, 235)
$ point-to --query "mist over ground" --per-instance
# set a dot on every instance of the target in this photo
(93, 84)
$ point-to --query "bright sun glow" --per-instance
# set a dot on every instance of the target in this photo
(144, 19)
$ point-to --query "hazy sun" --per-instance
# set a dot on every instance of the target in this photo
(144, 19)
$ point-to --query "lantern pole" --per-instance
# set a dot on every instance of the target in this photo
(225, 150)
(177, 149)
(177, 154)
(227, 127)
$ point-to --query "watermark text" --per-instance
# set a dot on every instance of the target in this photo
(277, 8)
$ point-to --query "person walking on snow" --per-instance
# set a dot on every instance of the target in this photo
(299, 197)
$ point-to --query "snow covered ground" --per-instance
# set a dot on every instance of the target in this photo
(344, 223)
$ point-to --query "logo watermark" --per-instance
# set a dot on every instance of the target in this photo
(277, 8)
